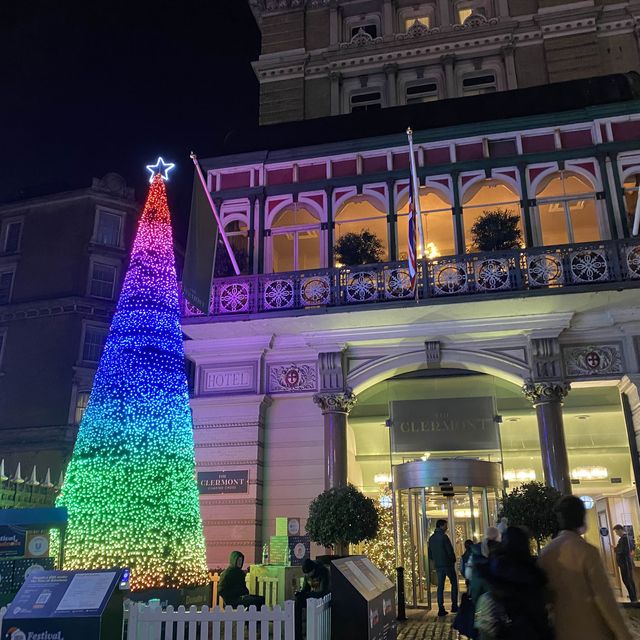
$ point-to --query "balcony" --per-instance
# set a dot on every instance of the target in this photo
(538, 270)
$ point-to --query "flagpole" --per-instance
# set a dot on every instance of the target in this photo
(232, 257)
(416, 193)
(636, 217)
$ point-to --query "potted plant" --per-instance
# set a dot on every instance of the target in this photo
(340, 517)
(496, 231)
(531, 505)
(359, 248)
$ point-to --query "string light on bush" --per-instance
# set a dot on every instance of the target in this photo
(130, 488)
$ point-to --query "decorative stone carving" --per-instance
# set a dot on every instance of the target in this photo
(337, 402)
(292, 378)
(593, 360)
(361, 39)
(331, 373)
(546, 362)
(432, 350)
(475, 20)
(114, 184)
(545, 391)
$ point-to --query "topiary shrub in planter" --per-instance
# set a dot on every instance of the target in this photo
(496, 231)
(359, 248)
(340, 517)
(531, 505)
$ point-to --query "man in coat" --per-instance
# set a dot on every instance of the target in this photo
(443, 557)
(584, 606)
(232, 587)
(624, 560)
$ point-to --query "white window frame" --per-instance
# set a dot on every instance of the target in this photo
(102, 261)
(5, 233)
(295, 232)
(89, 326)
(479, 74)
(12, 270)
(96, 224)
(74, 410)
(365, 91)
(417, 83)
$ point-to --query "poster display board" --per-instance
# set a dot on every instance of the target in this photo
(363, 601)
(73, 605)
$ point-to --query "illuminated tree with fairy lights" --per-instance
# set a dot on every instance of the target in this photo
(130, 488)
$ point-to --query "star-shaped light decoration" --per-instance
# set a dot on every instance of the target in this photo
(160, 167)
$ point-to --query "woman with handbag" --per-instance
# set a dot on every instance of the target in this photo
(514, 605)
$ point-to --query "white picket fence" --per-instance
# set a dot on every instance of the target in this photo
(319, 618)
(149, 622)
(154, 623)
(3, 610)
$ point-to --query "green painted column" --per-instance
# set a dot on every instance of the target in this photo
(457, 214)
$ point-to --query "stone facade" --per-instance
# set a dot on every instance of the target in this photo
(518, 44)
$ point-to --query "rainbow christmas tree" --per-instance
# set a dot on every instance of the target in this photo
(130, 487)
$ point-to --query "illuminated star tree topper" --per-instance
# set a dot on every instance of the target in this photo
(130, 487)
(160, 168)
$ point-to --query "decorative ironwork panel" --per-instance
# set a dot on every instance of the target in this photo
(361, 286)
(278, 294)
(315, 290)
(397, 284)
(589, 265)
(492, 274)
(233, 297)
(632, 255)
(189, 310)
(545, 270)
(450, 278)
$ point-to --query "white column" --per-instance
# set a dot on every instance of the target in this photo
(334, 24)
(388, 20)
(336, 84)
(447, 61)
(443, 10)
(510, 65)
(391, 71)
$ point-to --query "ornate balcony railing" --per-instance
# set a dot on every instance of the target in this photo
(480, 274)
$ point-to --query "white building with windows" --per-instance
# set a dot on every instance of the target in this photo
(309, 372)
(62, 259)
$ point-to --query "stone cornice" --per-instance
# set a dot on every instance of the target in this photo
(55, 307)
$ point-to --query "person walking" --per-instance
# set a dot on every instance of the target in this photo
(443, 557)
(514, 605)
(624, 560)
(584, 606)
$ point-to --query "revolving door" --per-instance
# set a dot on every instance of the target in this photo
(465, 493)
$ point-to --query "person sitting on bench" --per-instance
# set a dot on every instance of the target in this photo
(232, 587)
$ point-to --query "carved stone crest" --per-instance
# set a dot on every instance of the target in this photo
(593, 360)
(291, 378)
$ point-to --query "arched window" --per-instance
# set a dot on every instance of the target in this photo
(362, 213)
(238, 234)
(295, 240)
(631, 189)
(437, 224)
(567, 210)
(486, 199)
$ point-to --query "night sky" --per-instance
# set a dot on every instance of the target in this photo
(97, 86)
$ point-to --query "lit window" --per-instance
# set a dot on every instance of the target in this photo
(410, 22)
(237, 233)
(6, 284)
(108, 229)
(475, 85)
(103, 279)
(425, 92)
(295, 240)
(82, 400)
(463, 14)
(12, 235)
(631, 190)
(94, 339)
(567, 210)
(366, 101)
(359, 214)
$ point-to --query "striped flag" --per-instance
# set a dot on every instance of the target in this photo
(412, 252)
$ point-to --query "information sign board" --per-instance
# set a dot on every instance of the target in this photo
(11, 541)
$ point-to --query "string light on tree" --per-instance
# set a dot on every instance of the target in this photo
(130, 488)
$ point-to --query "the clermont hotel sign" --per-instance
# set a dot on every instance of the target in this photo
(444, 424)
(223, 481)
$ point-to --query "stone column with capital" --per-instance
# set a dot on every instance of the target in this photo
(335, 407)
(391, 73)
(448, 61)
(508, 52)
(629, 388)
(547, 396)
(336, 85)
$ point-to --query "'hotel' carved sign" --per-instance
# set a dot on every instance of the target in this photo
(223, 481)
(444, 424)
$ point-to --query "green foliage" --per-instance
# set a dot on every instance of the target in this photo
(531, 505)
(342, 516)
(496, 231)
(359, 248)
